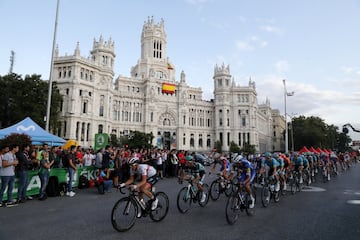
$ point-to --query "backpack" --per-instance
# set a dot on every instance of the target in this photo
(83, 182)
(65, 159)
(52, 189)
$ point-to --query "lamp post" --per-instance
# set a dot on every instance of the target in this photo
(286, 94)
(47, 119)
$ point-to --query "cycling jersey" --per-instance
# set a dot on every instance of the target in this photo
(247, 170)
(146, 170)
(224, 164)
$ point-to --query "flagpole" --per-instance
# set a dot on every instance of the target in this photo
(51, 70)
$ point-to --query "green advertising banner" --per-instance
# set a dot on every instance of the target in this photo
(101, 140)
(62, 175)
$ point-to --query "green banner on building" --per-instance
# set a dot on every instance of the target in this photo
(101, 140)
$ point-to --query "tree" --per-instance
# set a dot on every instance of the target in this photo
(114, 141)
(313, 131)
(218, 146)
(137, 139)
(248, 149)
(234, 148)
(21, 98)
(16, 138)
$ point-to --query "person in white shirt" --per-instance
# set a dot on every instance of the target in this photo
(88, 158)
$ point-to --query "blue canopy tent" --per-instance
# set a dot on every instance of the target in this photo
(38, 135)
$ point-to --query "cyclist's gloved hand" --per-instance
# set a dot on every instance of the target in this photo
(122, 185)
(133, 187)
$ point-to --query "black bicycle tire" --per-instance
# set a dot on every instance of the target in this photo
(179, 197)
(213, 195)
(230, 208)
(160, 205)
(114, 223)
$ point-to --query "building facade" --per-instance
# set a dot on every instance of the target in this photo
(153, 100)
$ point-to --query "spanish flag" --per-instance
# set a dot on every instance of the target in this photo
(168, 88)
(169, 66)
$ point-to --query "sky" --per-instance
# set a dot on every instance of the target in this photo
(313, 45)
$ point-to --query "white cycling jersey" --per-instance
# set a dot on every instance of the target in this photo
(144, 169)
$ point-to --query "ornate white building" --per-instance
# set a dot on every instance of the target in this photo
(153, 101)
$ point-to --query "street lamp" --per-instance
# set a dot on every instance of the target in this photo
(286, 94)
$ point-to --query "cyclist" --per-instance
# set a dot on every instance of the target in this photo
(281, 170)
(148, 179)
(224, 165)
(196, 172)
(299, 165)
(246, 175)
(273, 165)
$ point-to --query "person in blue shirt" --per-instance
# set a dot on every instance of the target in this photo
(273, 165)
(246, 175)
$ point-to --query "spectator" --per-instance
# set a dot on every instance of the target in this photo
(174, 161)
(7, 173)
(88, 158)
(104, 178)
(71, 170)
(44, 172)
(22, 170)
(79, 157)
(99, 158)
(106, 158)
(53, 156)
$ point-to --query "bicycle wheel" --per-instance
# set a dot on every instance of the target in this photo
(228, 188)
(184, 200)
(265, 196)
(276, 196)
(215, 190)
(206, 191)
(123, 214)
(160, 212)
(292, 185)
(249, 211)
(235, 184)
(232, 209)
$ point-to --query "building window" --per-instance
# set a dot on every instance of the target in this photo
(243, 121)
(192, 141)
(101, 110)
(220, 82)
(100, 128)
(151, 117)
(84, 107)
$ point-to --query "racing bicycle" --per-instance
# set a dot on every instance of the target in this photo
(125, 210)
(189, 194)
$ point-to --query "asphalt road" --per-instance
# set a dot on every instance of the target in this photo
(322, 211)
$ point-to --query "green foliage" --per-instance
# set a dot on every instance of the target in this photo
(218, 146)
(313, 131)
(234, 148)
(114, 141)
(27, 97)
(16, 138)
(137, 139)
(248, 149)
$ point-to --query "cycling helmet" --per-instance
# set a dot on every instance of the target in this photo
(275, 155)
(267, 154)
(134, 160)
(188, 158)
(238, 158)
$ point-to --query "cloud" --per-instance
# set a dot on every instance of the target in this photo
(281, 66)
(244, 46)
(270, 29)
(250, 43)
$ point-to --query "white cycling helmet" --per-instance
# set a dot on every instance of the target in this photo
(238, 158)
(134, 160)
